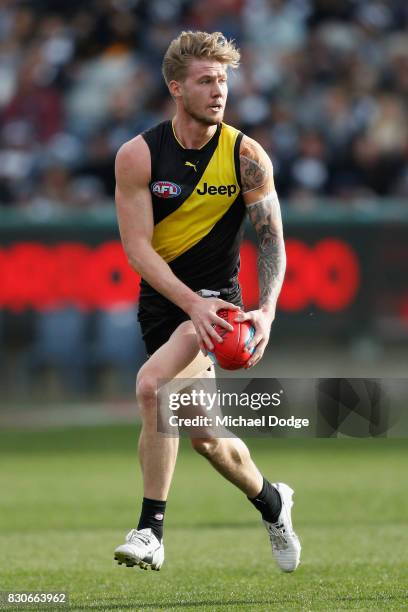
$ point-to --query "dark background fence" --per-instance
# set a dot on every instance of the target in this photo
(68, 297)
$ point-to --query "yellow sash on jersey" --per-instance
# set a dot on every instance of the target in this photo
(213, 195)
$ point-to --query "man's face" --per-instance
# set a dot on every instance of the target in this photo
(204, 91)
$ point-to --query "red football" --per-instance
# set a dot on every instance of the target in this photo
(232, 352)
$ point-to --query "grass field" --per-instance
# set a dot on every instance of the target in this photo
(67, 498)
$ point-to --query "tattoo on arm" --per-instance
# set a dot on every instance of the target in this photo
(266, 219)
(253, 173)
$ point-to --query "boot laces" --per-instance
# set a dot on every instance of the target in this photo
(277, 536)
(135, 537)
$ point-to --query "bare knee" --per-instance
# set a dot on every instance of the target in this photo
(146, 389)
(206, 447)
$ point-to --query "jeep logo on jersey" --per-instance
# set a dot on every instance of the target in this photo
(166, 189)
(221, 190)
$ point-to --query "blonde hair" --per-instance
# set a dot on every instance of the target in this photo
(199, 45)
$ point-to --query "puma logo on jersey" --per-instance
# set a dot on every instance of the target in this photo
(187, 163)
(221, 190)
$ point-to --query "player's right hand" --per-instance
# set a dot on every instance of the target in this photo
(203, 314)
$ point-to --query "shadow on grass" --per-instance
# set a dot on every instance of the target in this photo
(216, 605)
(403, 597)
(215, 525)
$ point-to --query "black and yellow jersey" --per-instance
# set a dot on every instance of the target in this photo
(198, 208)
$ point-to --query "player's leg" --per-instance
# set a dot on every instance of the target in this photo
(228, 455)
(231, 458)
(179, 356)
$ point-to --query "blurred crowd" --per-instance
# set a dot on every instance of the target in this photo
(323, 87)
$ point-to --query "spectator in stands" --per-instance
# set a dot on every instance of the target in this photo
(324, 90)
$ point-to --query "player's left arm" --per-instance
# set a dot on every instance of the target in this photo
(261, 200)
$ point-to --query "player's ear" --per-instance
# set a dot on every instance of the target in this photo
(175, 88)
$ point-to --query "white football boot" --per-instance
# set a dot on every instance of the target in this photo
(285, 543)
(142, 548)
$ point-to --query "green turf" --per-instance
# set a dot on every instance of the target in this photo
(67, 498)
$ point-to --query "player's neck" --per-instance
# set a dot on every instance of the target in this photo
(190, 133)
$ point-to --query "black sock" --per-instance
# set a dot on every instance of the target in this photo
(268, 502)
(152, 515)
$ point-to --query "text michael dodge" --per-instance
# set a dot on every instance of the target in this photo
(270, 420)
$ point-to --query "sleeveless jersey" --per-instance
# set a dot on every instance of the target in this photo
(198, 209)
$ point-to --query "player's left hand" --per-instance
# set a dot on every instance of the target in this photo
(262, 322)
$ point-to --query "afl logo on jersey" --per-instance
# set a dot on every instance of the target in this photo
(165, 189)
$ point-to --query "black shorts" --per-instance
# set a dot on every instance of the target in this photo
(159, 318)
